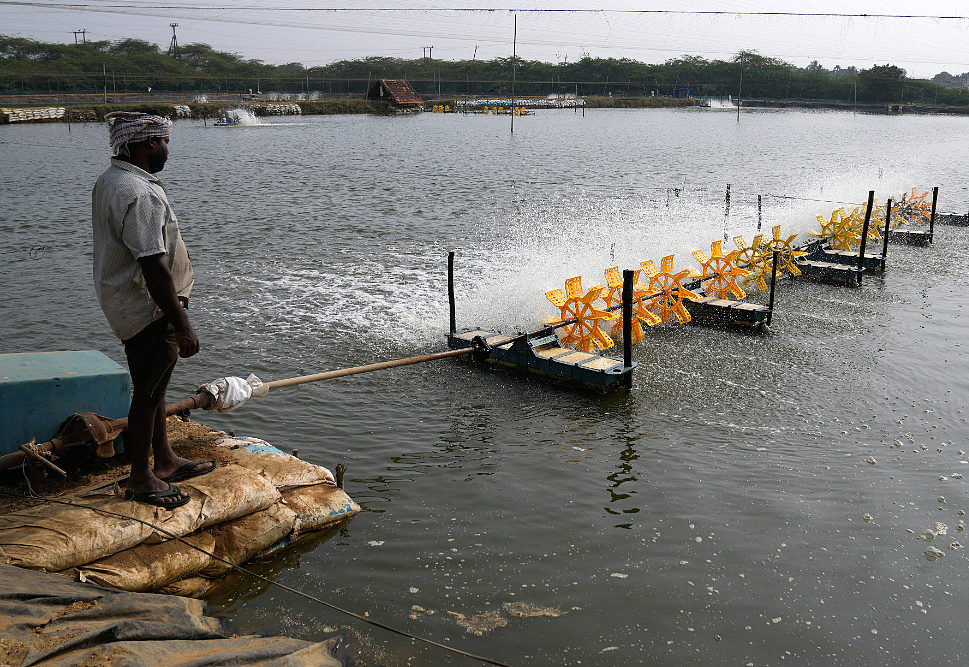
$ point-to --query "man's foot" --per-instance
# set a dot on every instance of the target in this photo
(189, 470)
(170, 497)
(166, 469)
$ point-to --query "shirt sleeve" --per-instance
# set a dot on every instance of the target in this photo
(143, 227)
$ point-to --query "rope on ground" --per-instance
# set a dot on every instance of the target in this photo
(312, 598)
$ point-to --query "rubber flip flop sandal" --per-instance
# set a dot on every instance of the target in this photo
(188, 471)
(155, 498)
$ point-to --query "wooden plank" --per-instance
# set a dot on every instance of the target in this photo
(574, 358)
(546, 352)
(601, 363)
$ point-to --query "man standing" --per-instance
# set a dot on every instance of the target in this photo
(143, 278)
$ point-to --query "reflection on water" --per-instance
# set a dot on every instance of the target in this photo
(712, 516)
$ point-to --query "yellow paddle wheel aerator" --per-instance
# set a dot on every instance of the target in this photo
(667, 293)
(915, 208)
(720, 272)
(641, 313)
(752, 258)
(829, 227)
(579, 318)
(786, 254)
(878, 216)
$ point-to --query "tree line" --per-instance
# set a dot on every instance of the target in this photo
(133, 65)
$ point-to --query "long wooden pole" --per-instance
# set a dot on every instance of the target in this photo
(112, 428)
(329, 375)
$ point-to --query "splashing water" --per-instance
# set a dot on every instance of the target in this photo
(245, 116)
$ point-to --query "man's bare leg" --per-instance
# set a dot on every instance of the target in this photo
(146, 420)
(166, 461)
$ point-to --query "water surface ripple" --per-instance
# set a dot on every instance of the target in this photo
(715, 515)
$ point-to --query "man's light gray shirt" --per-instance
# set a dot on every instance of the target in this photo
(132, 219)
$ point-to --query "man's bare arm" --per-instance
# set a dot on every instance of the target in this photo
(161, 287)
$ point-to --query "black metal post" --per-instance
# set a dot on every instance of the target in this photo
(864, 235)
(450, 289)
(627, 323)
(888, 224)
(758, 214)
(726, 213)
(773, 282)
(935, 198)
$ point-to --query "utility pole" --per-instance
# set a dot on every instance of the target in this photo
(173, 47)
(82, 34)
(429, 52)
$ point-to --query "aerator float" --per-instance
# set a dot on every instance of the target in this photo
(569, 346)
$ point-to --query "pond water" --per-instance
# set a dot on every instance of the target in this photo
(713, 515)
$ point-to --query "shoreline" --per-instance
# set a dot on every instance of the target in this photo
(91, 108)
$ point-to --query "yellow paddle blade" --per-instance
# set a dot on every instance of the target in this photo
(578, 318)
(664, 294)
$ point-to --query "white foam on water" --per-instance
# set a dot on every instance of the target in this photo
(400, 295)
(553, 239)
(246, 117)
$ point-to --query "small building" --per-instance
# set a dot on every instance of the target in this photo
(396, 91)
(681, 92)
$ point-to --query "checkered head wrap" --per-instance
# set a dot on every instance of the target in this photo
(133, 126)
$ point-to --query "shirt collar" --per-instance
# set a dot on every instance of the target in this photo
(134, 169)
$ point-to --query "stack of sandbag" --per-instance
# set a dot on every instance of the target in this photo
(260, 501)
(28, 115)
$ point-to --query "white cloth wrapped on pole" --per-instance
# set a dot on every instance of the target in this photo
(231, 392)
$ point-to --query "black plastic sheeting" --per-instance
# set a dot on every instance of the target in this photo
(50, 621)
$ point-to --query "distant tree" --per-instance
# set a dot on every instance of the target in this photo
(132, 47)
(943, 78)
(203, 58)
(882, 83)
(291, 68)
(19, 48)
(26, 64)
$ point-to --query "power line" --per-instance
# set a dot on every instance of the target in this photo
(129, 7)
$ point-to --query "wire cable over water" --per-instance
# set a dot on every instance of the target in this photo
(239, 568)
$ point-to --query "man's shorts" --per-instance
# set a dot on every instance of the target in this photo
(152, 354)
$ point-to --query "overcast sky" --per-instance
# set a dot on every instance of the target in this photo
(284, 31)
